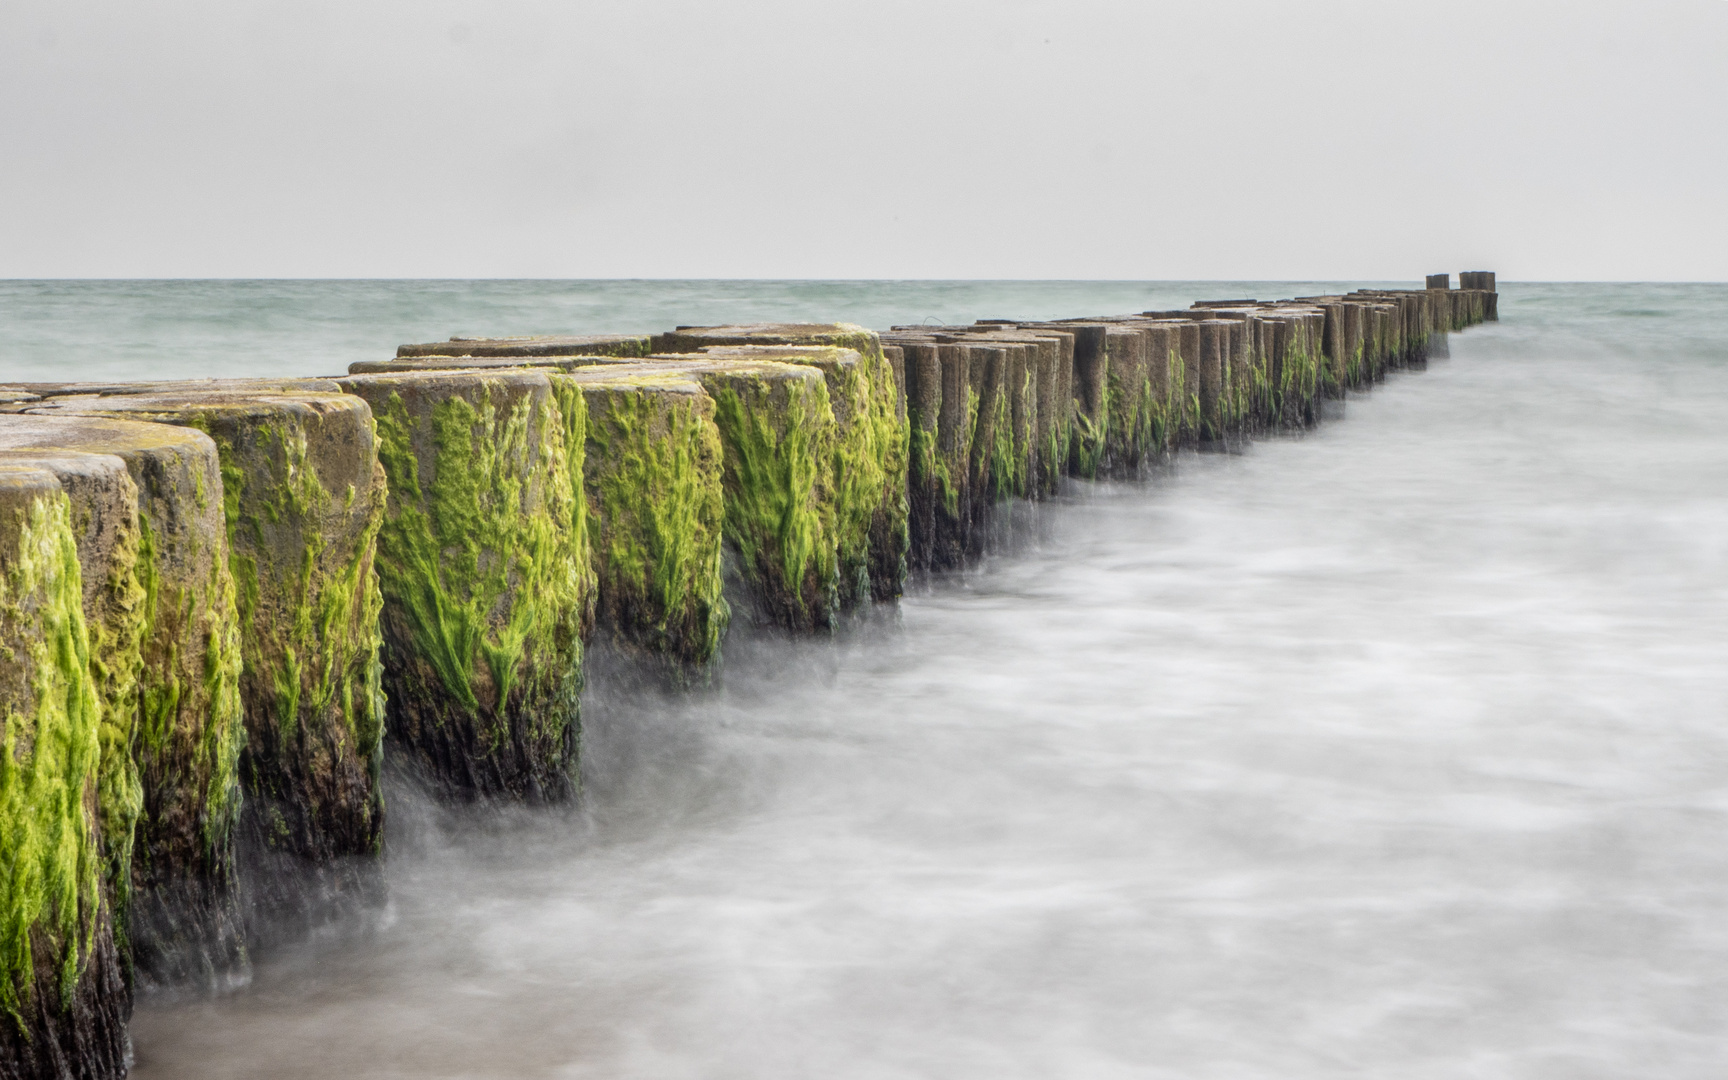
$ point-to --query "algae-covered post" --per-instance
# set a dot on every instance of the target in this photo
(652, 479)
(63, 999)
(941, 409)
(485, 578)
(864, 451)
(931, 494)
(303, 499)
(184, 921)
(778, 431)
(104, 509)
(873, 402)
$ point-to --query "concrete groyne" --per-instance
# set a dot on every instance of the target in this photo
(227, 604)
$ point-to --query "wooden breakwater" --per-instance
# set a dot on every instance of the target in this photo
(225, 601)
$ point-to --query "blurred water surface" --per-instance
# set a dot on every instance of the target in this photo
(1399, 749)
(194, 329)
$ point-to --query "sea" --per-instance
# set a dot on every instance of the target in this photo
(1394, 748)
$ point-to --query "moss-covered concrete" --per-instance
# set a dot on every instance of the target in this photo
(104, 512)
(992, 475)
(184, 920)
(485, 577)
(63, 1002)
(655, 510)
(930, 489)
(1166, 382)
(876, 439)
(860, 473)
(778, 431)
(1040, 420)
(303, 499)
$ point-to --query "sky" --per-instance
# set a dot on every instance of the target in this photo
(891, 139)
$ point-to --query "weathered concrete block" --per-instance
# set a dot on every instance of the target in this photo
(63, 1000)
(931, 490)
(992, 474)
(1166, 383)
(652, 473)
(523, 347)
(882, 405)
(1191, 414)
(1298, 360)
(303, 499)
(1130, 400)
(939, 378)
(104, 511)
(778, 432)
(1091, 396)
(867, 475)
(485, 577)
(186, 732)
(1052, 379)
(1214, 386)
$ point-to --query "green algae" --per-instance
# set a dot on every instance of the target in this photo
(116, 661)
(926, 469)
(871, 453)
(1181, 408)
(778, 444)
(189, 718)
(483, 561)
(862, 452)
(653, 490)
(867, 477)
(1004, 464)
(485, 576)
(317, 645)
(50, 762)
(1086, 456)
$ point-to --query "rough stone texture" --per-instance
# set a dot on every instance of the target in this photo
(865, 478)
(655, 510)
(104, 514)
(1091, 399)
(931, 492)
(1129, 401)
(63, 1001)
(1214, 389)
(1056, 407)
(545, 345)
(485, 576)
(778, 432)
(1167, 381)
(184, 920)
(884, 404)
(1045, 420)
(990, 469)
(939, 378)
(1007, 412)
(303, 499)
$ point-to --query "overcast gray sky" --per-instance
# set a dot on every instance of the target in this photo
(899, 138)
